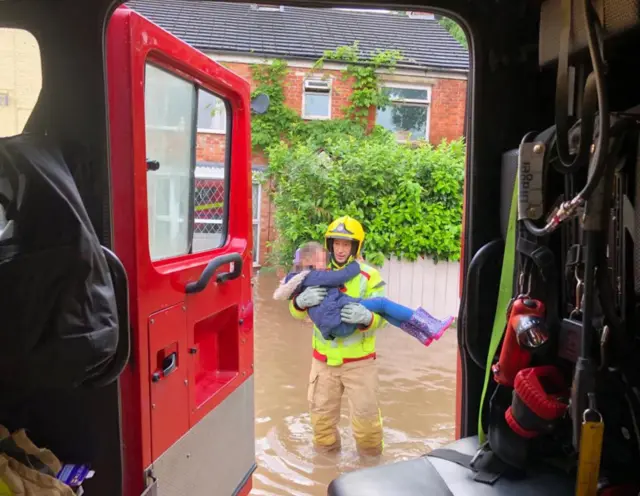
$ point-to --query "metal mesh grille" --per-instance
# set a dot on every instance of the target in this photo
(209, 226)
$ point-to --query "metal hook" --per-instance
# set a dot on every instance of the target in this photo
(579, 293)
(579, 288)
(591, 409)
(521, 283)
(525, 275)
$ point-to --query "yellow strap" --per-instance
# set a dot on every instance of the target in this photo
(505, 293)
(589, 458)
(5, 490)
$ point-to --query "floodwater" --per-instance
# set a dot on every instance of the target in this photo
(417, 395)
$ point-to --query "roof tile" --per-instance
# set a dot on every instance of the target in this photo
(298, 32)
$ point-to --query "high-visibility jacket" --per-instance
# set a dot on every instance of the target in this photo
(361, 344)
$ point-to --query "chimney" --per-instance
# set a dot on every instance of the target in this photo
(267, 7)
(421, 15)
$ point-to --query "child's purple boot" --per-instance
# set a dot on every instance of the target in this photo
(425, 327)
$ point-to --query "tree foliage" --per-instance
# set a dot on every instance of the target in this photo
(280, 121)
(366, 89)
(408, 197)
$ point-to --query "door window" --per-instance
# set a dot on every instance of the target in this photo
(210, 216)
(186, 214)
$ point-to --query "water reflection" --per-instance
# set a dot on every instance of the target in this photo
(416, 393)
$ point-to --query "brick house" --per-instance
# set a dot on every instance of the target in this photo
(428, 87)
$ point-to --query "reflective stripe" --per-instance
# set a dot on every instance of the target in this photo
(363, 286)
(505, 293)
(359, 344)
(352, 339)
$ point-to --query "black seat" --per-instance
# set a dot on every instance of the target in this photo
(437, 477)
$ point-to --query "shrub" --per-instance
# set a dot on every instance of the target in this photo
(408, 198)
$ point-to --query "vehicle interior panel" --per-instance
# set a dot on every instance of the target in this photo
(80, 425)
(427, 476)
(512, 81)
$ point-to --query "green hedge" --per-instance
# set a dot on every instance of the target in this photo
(409, 198)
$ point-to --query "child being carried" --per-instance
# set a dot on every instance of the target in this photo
(310, 269)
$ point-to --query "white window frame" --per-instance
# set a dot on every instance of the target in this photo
(256, 222)
(304, 92)
(205, 130)
(414, 102)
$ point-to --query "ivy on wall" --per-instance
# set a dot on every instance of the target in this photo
(366, 89)
(279, 121)
(283, 123)
(408, 197)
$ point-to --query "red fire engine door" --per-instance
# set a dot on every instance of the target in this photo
(187, 218)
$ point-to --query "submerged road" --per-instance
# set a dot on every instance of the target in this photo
(417, 394)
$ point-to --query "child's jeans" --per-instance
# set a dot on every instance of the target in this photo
(392, 312)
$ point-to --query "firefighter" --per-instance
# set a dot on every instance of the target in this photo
(345, 364)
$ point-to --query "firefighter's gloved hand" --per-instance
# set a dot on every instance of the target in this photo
(355, 313)
(310, 297)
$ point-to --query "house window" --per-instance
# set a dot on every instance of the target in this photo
(408, 114)
(212, 113)
(316, 103)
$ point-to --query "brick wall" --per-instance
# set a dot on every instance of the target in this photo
(211, 147)
(448, 106)
(446, 122)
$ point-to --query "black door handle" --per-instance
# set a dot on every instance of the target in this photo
(479, 300)
(169, 365)
(209, 270)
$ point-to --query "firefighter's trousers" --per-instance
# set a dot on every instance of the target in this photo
(360, 381)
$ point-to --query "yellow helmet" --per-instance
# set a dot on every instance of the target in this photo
(345, 228)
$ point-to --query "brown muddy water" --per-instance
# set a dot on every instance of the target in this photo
(417, 395)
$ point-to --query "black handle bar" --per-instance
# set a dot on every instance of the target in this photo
(212, 266)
